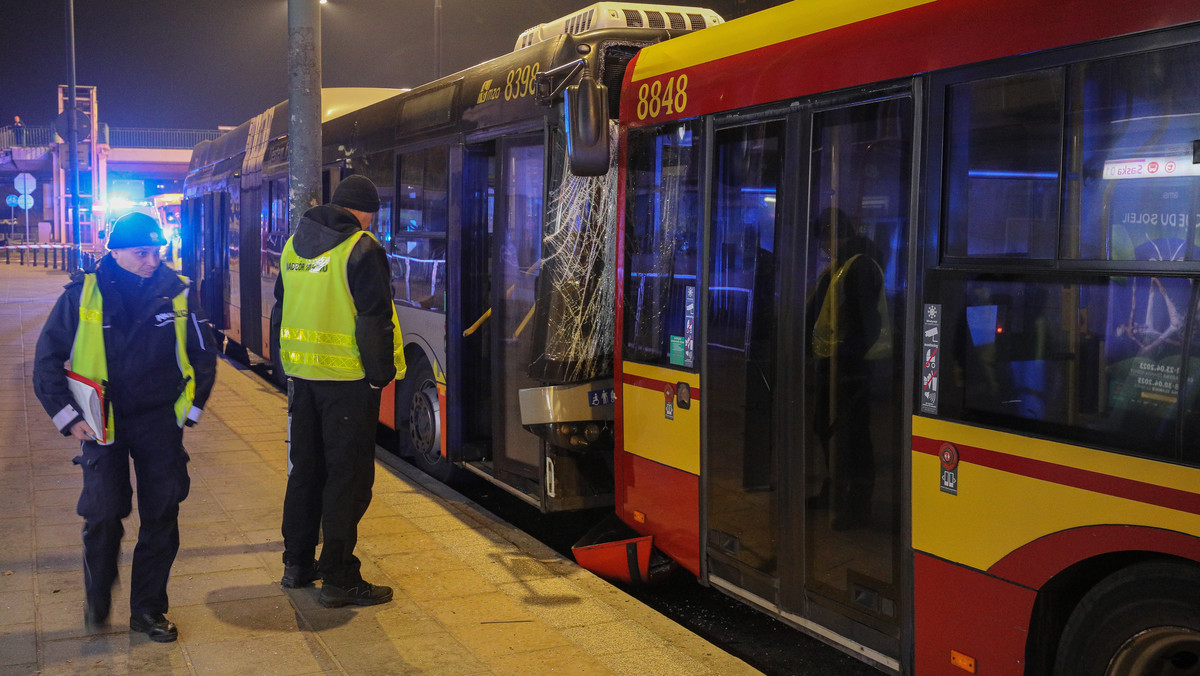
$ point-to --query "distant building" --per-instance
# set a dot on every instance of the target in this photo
(119, 170)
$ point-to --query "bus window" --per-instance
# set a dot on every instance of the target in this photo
(1097, 360)
(277, 223)
(1002, 167)
(277, 230)
(418, 253)
(1144, 356)
(573, 329)
(661, 245)
(1139, 118)
(1191, 376)
(380, 168)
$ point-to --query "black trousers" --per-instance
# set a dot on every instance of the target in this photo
(331, 468)
(846, 438)
(155, 443)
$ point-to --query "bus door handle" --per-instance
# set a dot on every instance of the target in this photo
(683, 395)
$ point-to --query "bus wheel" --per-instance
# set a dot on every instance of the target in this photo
(1141, 621)
(424, 429)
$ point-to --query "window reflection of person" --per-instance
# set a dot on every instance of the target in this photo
(845, 321)
(757, 470)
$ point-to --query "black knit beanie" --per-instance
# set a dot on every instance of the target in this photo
(357, 192)
(135, 229)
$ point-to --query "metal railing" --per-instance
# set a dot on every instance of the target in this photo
(25, 136)
(29, 136)
(160, 138)
(64, 256)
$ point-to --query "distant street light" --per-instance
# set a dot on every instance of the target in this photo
(437, 36)
(73, 140)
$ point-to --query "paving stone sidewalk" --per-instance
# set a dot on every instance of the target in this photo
(473, 594)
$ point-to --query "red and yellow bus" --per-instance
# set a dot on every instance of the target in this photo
(909, 326)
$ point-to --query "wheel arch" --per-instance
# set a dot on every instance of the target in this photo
(415, 353)
(1063, 567)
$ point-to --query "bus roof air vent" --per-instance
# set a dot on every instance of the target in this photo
(621, 15)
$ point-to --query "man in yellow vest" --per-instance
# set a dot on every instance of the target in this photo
(335, 333)
(134, 340)
(849, 328)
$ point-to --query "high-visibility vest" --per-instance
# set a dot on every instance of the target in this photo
(89, 359)
(316, 338)
(826, 332)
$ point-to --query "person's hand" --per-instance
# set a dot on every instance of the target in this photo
(83, 431)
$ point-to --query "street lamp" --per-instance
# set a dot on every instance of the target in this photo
(73, 141)
(437, 39)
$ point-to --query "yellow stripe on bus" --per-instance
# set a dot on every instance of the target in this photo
(1104, 462)
(648, 432)
(762, 29)
(996, 512)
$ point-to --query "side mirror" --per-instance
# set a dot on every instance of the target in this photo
(586, 113)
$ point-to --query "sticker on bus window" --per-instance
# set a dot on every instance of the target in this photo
(689, 327)
(931, 344)
(678, 351)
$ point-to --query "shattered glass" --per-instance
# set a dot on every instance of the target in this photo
(578, 277)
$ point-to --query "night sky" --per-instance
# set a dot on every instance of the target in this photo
(200, 64)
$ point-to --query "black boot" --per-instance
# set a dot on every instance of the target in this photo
(95, 613)
(362, 594)
(154, 625)
(299, 575)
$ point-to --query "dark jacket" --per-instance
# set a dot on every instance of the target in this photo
(139, 344)
(321, 229)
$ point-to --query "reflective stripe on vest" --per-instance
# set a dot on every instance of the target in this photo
(826, 336)
(89, 359)
(316, 339)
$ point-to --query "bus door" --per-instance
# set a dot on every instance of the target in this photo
(470, 344)
(515, 265)
(267, 247)
(850, 421)
(659, 394)
(802, 381)
(249, 269)
(741, 479)
(205, 253)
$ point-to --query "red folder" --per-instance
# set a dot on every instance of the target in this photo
(89, 399)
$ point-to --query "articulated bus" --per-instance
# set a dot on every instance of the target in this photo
(501, 256)
(909, 326)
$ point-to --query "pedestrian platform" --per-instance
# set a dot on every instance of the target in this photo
(473, 595)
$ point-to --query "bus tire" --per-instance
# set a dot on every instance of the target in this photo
(1143, 619)
(419, 424)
